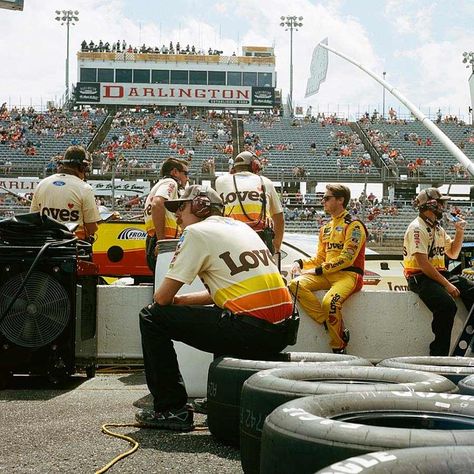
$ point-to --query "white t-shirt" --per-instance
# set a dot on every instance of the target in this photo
(66, 198)
(167, 188)
(249, 187)
(234, 265)
(422, 238)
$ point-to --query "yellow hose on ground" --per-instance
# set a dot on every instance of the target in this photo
(134, 443)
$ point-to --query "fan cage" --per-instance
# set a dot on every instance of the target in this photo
(40, 313)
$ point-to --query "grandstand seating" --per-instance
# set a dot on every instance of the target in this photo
(441, 166)
(318, 166)
(285, 145)
(151, 156)
(50, 133)
(283, 142)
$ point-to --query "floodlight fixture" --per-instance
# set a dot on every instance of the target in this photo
(291, 23)
(67, 17)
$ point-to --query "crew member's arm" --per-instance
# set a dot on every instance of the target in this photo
(166, 294)
(198, 298)
(353, 243)
(308, 264)
(275, 210)
(184, 267)
(91, 215)
(430, 271)
(158, 211)
(456, 245)
(279, 229)
(91, 228)
(34, 207)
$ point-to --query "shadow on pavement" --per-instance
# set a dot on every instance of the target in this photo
(31, 387)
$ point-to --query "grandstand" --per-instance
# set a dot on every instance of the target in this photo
(132, 110)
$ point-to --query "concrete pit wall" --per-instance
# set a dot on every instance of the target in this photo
(382, 324)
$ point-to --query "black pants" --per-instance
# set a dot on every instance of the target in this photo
(204, 327)
(442, 305)
(150, 244)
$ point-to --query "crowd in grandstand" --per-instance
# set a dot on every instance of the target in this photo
(124, 47)
(139, 139)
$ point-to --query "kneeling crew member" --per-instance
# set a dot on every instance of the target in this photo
(243, 312)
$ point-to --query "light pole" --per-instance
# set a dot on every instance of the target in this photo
(291, 23)
(383, 97)
(67, 17)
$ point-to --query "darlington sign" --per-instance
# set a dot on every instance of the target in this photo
(132, 94)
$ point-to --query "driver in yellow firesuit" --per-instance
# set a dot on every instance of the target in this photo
(338, 267)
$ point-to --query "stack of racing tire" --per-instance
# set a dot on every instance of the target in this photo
(332, 413)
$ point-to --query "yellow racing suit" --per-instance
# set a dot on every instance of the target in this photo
(339, 268)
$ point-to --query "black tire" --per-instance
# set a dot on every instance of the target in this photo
(90, 371)
(5, 378)
(227, 375)
(448, 459)
(453, 368)
(309, 433)
(268, 389)
(466, 385)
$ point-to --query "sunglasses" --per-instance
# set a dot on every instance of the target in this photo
(186, 173)
(181, 206)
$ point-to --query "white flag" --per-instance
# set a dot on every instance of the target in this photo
(318, 69)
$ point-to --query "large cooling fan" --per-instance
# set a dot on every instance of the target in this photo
(40, 313)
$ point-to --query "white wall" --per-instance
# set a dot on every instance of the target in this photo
(382, 324)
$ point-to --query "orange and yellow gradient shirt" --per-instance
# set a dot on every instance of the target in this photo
(238, 272)
(420, 237)
(167, 188)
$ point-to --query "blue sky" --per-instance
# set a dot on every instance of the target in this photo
(419, 43)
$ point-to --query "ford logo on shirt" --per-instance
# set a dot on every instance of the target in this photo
(59, 183)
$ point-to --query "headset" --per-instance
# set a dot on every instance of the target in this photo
(201, 205)
(84, 163)
(431, 205)
(255, 164)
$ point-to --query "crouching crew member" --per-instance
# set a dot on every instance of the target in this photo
(424, 248)
(66, 197)
(338, 267)
(244, 311)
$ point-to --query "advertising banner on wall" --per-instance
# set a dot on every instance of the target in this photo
(87, 92)
(263, 96)
(101, 188)
(174, 94)
(122, 188)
